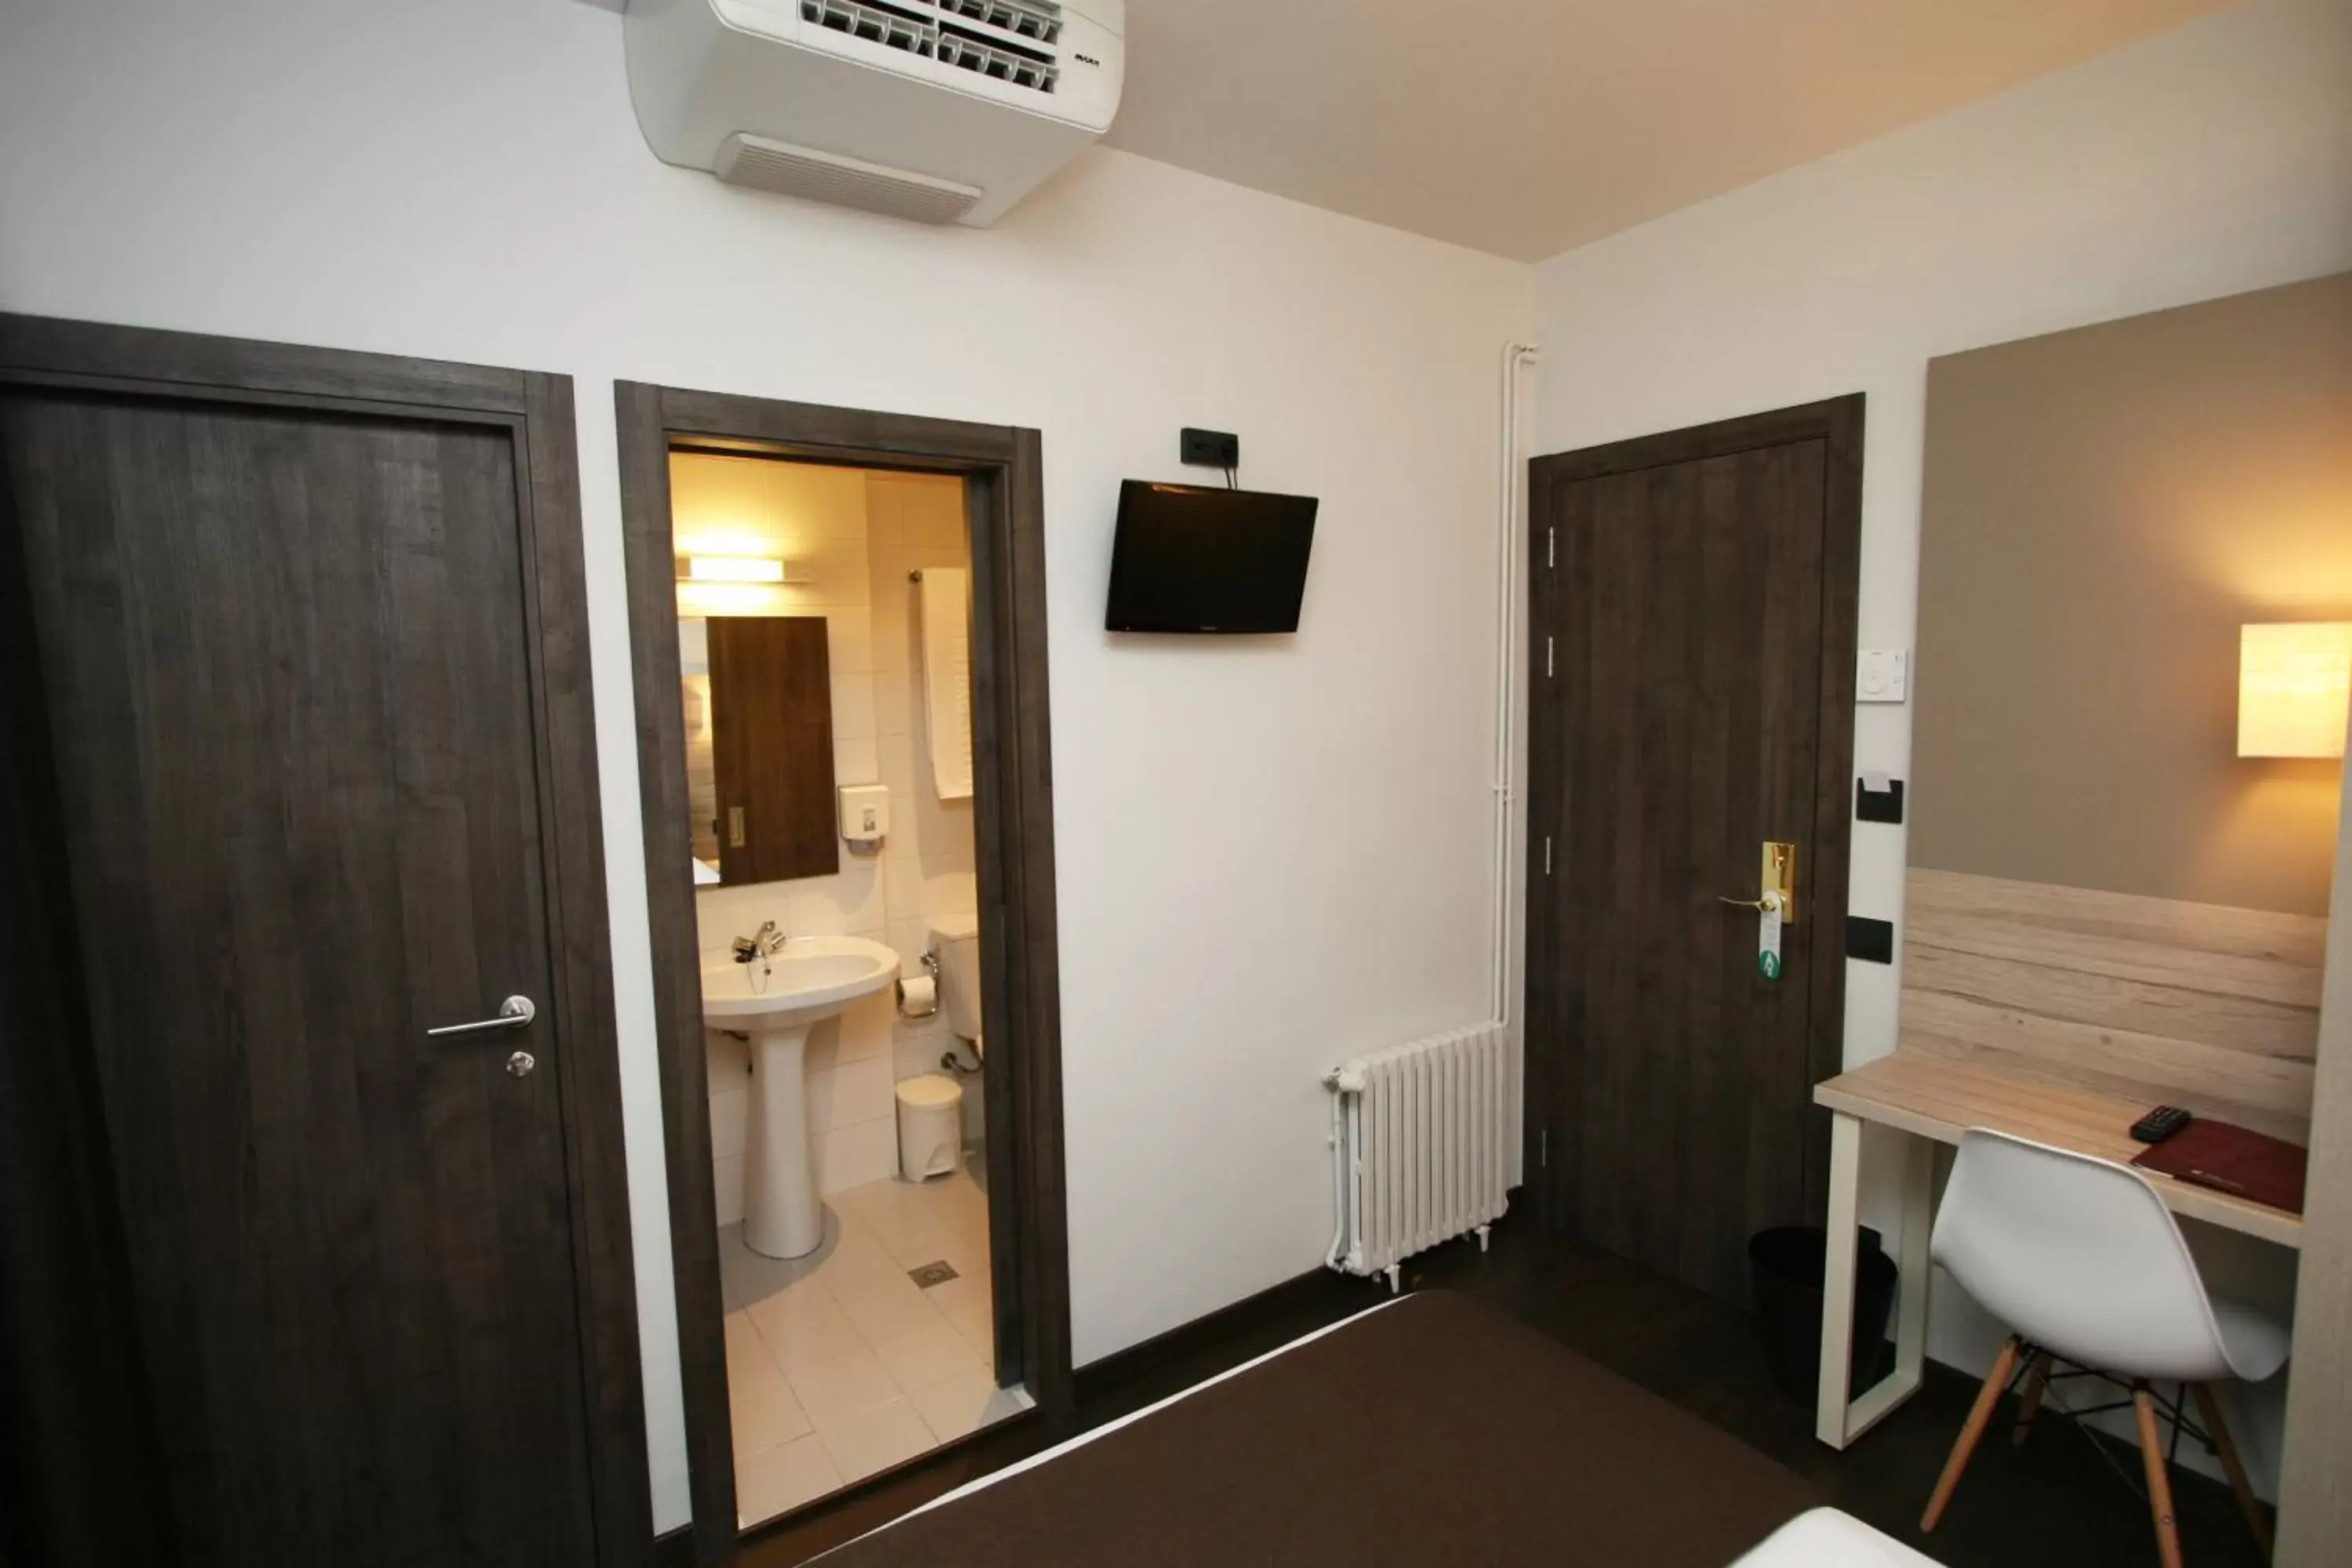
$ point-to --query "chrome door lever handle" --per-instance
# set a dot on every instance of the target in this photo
(514, 1013)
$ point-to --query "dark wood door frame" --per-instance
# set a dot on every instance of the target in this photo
(1838, 424)
(70, 1365)
(1012, 826)
(536, 411)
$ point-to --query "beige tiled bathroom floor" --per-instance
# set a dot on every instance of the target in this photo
(838, 1364)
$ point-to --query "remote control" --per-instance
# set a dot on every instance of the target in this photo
(2161, 1124)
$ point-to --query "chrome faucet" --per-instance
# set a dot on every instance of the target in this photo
(761, 943)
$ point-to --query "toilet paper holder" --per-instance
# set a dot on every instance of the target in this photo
(929, 1005)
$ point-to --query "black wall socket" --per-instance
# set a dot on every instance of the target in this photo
(1211, 448)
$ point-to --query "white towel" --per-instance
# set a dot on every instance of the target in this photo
(946, 679)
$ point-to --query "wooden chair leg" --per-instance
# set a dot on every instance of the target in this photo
(2159, 1481)
(2234, 1468)
(2037, 1382)
(1987, 1398)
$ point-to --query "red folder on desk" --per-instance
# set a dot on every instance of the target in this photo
(2232, 1160)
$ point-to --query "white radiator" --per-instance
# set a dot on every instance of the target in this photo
(1422, 1138)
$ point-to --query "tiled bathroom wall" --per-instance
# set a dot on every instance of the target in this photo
(850, 538)
(916, 520)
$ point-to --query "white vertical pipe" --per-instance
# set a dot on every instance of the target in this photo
(1507, 604)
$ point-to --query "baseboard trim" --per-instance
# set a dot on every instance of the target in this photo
(1302, 1293)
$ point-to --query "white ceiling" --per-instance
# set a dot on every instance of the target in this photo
(1528, 127)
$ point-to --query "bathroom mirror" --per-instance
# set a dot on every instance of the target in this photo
(759, 748)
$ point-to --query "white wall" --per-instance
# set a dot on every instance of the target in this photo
(2207, 160)
(1271, 852)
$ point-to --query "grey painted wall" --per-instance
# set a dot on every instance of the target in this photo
(2101, 510)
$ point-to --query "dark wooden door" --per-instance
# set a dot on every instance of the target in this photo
(1693, 613)
(772, 748)
(287, 663)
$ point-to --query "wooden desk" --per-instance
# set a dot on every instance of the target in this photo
(1935, 1099)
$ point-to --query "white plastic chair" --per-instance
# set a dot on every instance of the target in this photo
(2083, 1262)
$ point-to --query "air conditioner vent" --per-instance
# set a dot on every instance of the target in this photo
(960, 47)
(875, 24)
(969, 51)
(986, 98)
(770, 165)
(1028, 19)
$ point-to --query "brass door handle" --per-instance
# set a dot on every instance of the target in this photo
(1759, 905)
(1776, 874)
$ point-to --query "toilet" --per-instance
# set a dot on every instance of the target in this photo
(955, 944)
(930, 1126)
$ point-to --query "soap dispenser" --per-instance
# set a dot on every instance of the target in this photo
(865, 815)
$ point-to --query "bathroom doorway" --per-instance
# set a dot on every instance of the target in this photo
(838, 635)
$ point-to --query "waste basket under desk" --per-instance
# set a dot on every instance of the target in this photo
(1935, 1099)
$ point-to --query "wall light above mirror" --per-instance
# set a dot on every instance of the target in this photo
(2295, 682)
(732, 569)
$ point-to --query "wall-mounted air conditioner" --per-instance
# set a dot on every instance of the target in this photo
(940, 111)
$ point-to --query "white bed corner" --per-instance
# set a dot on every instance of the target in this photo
(1825, 1538)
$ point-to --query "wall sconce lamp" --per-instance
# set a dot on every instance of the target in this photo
(731, 569)
(2294, 683)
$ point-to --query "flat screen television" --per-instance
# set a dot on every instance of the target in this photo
(1193, 558)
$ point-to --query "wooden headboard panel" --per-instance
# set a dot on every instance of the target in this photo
(2214, 1008)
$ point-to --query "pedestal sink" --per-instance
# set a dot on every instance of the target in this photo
(776, 1001)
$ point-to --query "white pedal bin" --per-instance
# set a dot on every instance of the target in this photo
(930, 1125)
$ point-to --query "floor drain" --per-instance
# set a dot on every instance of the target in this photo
(931, 1274)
